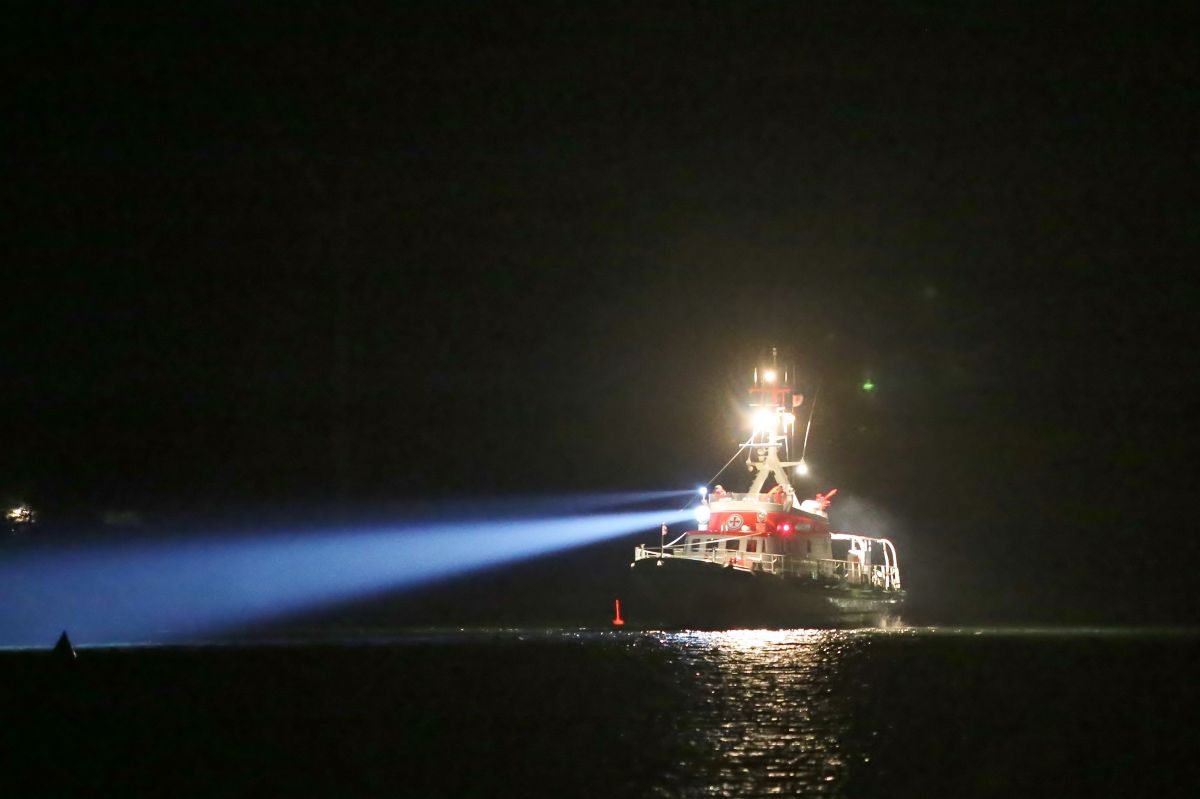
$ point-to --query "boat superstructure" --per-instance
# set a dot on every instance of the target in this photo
(766, 555)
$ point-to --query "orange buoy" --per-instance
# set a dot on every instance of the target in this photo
(618, 621)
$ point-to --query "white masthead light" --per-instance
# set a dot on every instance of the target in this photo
(764, 421)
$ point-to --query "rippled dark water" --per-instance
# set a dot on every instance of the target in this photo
(958, 712)
(904, 712)
(766, 712)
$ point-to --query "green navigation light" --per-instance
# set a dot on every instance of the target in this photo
(868, 385)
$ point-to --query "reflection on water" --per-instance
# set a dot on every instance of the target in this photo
(767, 716)
(923, 712)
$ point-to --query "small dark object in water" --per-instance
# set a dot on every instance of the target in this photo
(63, 651)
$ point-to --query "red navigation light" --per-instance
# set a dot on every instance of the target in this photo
(785, 528)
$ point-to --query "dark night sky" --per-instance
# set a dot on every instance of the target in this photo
(306, 254)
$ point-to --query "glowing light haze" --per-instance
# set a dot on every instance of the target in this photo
(174, 590)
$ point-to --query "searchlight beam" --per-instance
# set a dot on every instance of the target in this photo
(180, 589)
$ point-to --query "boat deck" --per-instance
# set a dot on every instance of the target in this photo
(833, 571)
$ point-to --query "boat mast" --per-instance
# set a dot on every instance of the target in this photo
(771, 403)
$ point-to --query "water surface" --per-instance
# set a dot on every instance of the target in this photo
(900, 712)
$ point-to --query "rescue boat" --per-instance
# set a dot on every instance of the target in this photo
(765, 557)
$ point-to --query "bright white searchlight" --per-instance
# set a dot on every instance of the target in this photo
(764, 421)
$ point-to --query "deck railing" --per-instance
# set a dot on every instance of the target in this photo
(847, 572)
(731, 497)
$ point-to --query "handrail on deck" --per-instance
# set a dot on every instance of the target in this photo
(876, 575)
(747, 497)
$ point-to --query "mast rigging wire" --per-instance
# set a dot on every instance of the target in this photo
(811, 410)
(723, 468)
